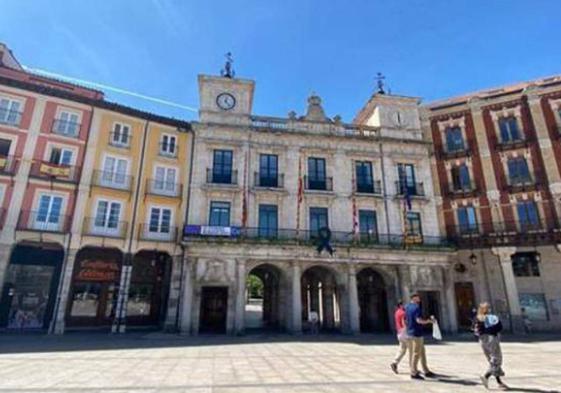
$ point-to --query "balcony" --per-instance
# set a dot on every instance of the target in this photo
(307, 237)
(164, 150)
(414, 189)
(163, 188)
(120, 140)
(104, 227)
(513, 143)
(462, 190)
(521, 184)
(149, 232)
(113, 180)
(8, 165)
(55, 172)
(66, 128)
(226, 178)
(10, 118)
(368, 188)
(447, 154)
(268, 181)
(318, 184)
(36, 221)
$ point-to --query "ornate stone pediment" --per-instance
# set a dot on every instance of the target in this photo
(425, 276)
(215, 271)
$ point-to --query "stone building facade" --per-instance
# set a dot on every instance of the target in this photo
(262, 191)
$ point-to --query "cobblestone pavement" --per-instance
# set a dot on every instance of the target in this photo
(147, 363)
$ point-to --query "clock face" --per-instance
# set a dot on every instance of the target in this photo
(225, 101)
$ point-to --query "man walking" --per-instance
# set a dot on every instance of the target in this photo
(402, 337)
(415, 323)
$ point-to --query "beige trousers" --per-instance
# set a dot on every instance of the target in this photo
(417, 352)
(403, 345)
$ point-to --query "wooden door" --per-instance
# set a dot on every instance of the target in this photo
(465, 303)
(214, 309)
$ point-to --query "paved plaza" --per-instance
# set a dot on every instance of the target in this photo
(146, 363)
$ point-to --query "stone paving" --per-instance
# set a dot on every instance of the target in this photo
(147, 363)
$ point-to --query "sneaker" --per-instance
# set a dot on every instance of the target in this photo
(393, 366)
(430, 374)
(417, 376)
(484, 381)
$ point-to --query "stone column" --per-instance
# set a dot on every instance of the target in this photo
(174, 294)
(328, 307)
(296, 299)
(186, 301)
(120, 321)
(58, 321)
(504, 254)
(450, 296)
(354, 310)
(240, 297)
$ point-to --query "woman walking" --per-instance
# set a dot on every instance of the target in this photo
(488, 327)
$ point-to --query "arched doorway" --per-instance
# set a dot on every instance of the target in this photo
(149, 288)
(29, 291)
(263, 298)
(320, 295)
(372, 299)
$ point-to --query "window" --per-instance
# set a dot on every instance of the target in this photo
(268, 170)
(67, 124)
(454, 139)
(467, 219)
(48, 212)
(525, 264)
(10, 112)
(318, 220)
(222, 167)
(165, 179)
(367, 223)
(316, 174)
(364, 179)
(219, 214)
(60, 156)
(268, 221)
(508, 127)
(115, 171)
(534, 305)
(107, 215)
(528, 217)
(461, 178)
(5, 147)
(168, 145)
(518, 172)
(160, 220)
(406, 175)
(121, 135)
(414, 224)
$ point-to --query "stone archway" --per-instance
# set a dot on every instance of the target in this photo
(320, 294)
(373, 301)
(264, 298)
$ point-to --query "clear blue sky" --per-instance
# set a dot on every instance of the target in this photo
(431, 49)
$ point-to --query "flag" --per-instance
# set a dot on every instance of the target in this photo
(353, 197)
(244, 191)
(300, 195)
(406, 208)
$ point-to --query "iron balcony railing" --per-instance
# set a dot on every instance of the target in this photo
(368, 187)
(50, 171)
(217, 177)
(8, 165)
(521, 183)
(513, 143)
(66, 128)
(168, 150)
(10, 118)
(43, 221)
(318, 184)
(120, 139)
(268, 181)
(447, 153)
(104, 227)
(414, 189)
(309, 236)
(157, 232)
(462, 189)
(113, 180)
(164, 188)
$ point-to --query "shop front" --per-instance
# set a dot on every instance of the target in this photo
(95, 286)
(29, 290)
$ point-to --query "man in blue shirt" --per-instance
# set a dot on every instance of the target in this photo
(415, 322)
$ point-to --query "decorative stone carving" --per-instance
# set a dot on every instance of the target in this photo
(214, 271)
(424, 276)
(555, 189)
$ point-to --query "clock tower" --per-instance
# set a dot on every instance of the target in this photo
(224, 99)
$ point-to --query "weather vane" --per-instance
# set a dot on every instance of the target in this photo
(380, 83)
(227, 71)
